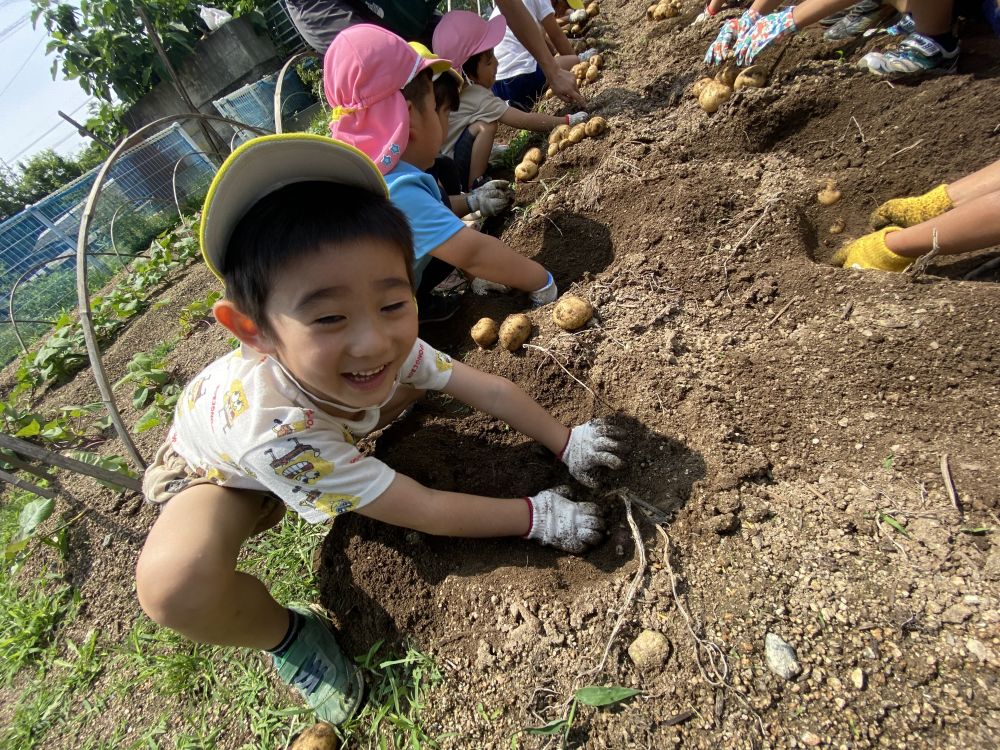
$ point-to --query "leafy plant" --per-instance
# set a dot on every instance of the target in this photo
(111, 463)
(194, 314)
(593, 695)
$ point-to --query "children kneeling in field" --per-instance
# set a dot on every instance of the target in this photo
(318, 270)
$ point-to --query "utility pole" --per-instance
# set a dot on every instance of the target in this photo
(210, 135)
(84, 131)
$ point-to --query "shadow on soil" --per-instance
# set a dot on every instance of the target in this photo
(388, 583)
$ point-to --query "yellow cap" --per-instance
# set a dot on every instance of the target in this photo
(263, 165)
(436, 67)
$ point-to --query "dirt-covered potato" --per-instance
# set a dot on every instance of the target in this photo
(838, 226)
(576, 29)
(578, 133)
(534, 154)
(698, 86)
(526, 170)
(548, 94)
(558, 133)
(320, 736)
(595, 126)
(713, 95)
(580, 69)
(593, 10)
(515, 331)
(564, 144)
(727, 76)
(651, 10)
(589, 42)
(597, 61)
(829, 194)
(593, 73)
(751, 78)
(572, 313)
(485, 332)
(553, 149)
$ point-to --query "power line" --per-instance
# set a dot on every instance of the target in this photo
(47, 132)
(23, 66)
(6, 32)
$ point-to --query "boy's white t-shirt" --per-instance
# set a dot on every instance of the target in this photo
(513, 58)
(244, 423)
(477, 103)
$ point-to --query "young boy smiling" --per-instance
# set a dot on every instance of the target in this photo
(317, 266)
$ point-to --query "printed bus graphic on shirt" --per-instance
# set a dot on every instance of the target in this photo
(329, 503)
(234, 403)
(284, 429)
(302, 463)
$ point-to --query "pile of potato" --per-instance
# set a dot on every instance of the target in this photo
(712, 92)
(564, 136)
(570, 313)
(588, 71)
(664, 9)
(576, 29)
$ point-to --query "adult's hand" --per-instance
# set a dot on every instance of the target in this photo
(563, 85)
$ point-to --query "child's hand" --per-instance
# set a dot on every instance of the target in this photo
(490, 199)
(546, 294)
(764, 33)
(590, 446)
(731, 30)
(558, 522)
(576, 118)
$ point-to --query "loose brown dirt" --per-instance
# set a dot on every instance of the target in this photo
(786, 416)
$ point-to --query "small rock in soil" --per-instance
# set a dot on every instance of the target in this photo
(858, 678)
(956, 614)
(649, 651)
(781, 658)
(723, 524)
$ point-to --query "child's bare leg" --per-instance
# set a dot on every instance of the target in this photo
(484, 133)
(931, 16)
(985, 180)
(186, 578)
(971, 226)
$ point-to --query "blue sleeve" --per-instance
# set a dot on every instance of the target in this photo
(432, 222)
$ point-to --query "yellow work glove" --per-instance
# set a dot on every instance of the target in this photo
(870, 252)
(906, 212)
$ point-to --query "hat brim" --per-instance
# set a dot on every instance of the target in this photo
(496, 27)
(261, 166)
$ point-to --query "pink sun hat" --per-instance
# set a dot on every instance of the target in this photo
(364, 70)
(461, 34)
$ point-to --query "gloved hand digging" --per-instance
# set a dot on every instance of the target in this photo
(765, 32)
(731, 30)
(557, 521)
(590, 446)
(546, 294)
(576, 118)
(491, 198)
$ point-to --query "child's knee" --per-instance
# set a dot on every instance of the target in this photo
(178, 592)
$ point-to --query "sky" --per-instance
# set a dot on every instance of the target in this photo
(29, 98)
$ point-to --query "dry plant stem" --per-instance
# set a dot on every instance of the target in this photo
(949, 485)
(626, 497)
(920, 265)
(781, 312)
(563, 368)
(894, 154)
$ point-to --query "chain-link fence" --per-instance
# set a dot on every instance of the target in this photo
(141, 197)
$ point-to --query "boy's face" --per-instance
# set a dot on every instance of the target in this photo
(343, 320)
(486, 69)
(427, 131)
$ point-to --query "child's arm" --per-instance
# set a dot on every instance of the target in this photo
(547, 517)
(539, 121)
(487, 257)
(555, 34)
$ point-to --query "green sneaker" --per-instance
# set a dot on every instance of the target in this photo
(316, 667)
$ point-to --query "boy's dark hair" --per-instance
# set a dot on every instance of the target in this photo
(472, 64)
(416, 89)
(446, 92)
(300, 219)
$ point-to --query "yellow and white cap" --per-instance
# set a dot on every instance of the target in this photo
(263, 165)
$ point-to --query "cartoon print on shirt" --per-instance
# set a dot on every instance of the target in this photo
(194, 391)
(302, 463)
(284, 429)
(443, 362)
(309, 496)
(234, 403)
(335, 505)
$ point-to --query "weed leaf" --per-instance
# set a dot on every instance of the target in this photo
(594, 695)
(553, 727)
(32, 515)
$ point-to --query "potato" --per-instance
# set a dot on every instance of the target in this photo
(535, 155)
(713, 95)
(580, 69)
(564, 144)
(727, 75)
(571, 313)
(700, 85)
(553, 149)
(597, 61)
(589, 42)
(595, 126)
(576, 29)
(593, 10)
(558, 133)
(526, 170)
(838, 226)
(829, 194)
(320, 736)
(548, 94)
(660, 12)
(751, 78)
(515, 331)
(592, 73)
(485, 332)
(578, 133)
(651, 10)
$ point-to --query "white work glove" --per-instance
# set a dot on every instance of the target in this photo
(576, 118)
(588, 53)
(592, 445)
(578, 16)
(490, 199)
(482, 287)
(546, 294)
(557, 521)
(704, 16)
